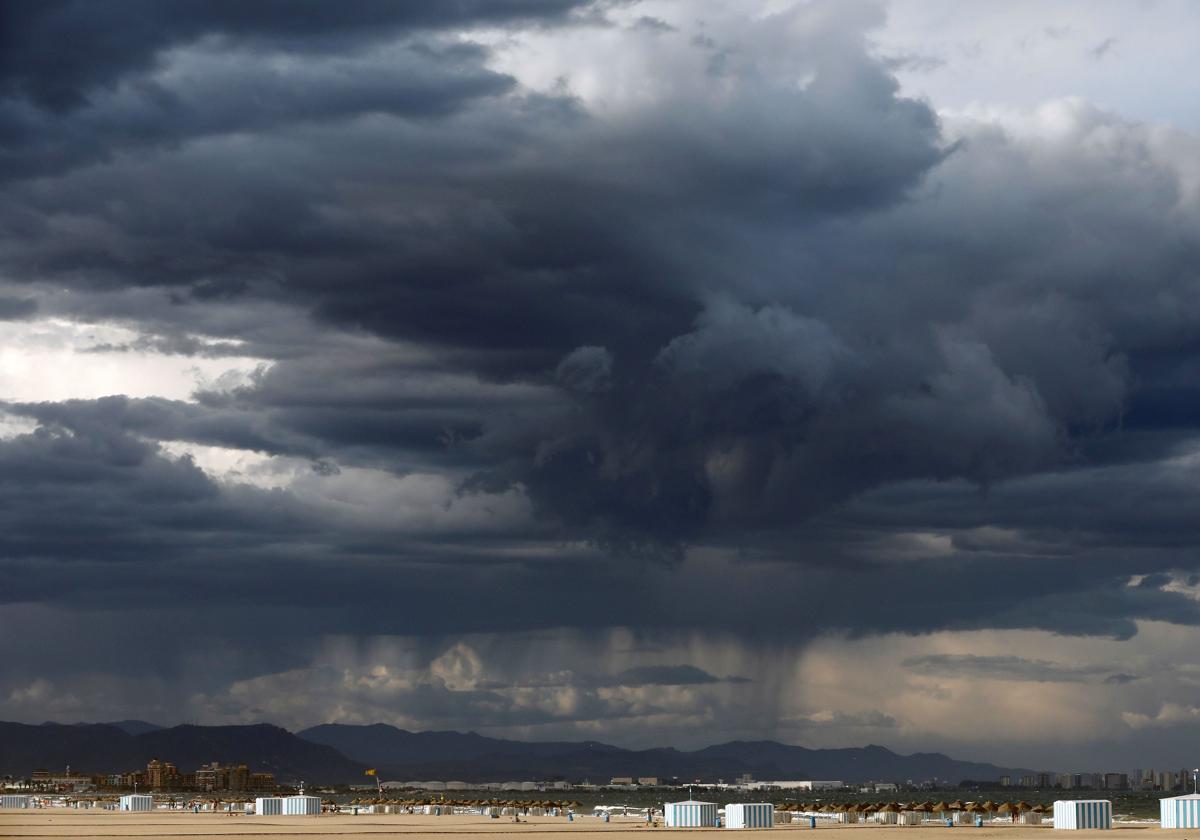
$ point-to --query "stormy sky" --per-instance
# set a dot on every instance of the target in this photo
(659, 372)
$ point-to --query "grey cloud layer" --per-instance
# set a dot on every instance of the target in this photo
(779, 328)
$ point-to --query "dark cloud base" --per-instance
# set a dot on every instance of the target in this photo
(660, 367)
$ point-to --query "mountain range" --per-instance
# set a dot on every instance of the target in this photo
(472, 757)
(332, 753)
(128, 745)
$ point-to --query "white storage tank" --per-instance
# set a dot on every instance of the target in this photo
(269, 806)
(137, 802)
(1082, 813)
(690, 814)
(750, 815)
(295, 806)
(1179, 811)
(11, 800)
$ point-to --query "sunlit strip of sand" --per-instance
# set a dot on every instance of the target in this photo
(165, 825)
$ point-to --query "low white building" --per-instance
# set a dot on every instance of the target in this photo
(805, 784)
(11, 800)
(750, 815)
(1082, 813)
(137, 802)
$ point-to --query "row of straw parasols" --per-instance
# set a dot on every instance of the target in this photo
(988, 807)
(468, 803)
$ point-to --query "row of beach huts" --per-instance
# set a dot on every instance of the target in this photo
(1068, 814)
(141, 802)
(1174, 812)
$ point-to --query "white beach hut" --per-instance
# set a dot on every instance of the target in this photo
(1179, 811)
(137, 802)
(269, 806)
(750, 815)
(1082, 813)
(10, 800)
(295, 806)
(690, 814)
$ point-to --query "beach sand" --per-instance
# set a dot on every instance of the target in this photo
(104, 824)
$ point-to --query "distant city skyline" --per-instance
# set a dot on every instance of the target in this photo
(665, 372)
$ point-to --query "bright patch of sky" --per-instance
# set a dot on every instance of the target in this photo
(54, 360)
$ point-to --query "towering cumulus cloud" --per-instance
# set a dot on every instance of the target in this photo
(642, 371)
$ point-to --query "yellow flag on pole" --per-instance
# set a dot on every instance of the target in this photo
(370, 772)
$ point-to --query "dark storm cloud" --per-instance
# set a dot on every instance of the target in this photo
(780, 326)
(671, 675)
(93, 515)
(212, 93)
(1120, 679)
(643, 676)
(1009, 668)
(138, 75)
(160, 419)
(119, 502)
(16, 308)
(58, 53)
(851, 720)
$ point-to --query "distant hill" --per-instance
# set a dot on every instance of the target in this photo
(130, 726)
(135, 727)
(404, 755)
(340, 753)
(107, 748)
(383, 744)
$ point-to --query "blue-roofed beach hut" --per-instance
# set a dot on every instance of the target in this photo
(750, 815)
(1082, 813)
(1179, 811)
(690, 814)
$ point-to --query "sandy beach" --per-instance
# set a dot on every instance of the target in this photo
(103, 824)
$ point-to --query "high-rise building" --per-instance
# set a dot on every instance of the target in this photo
(212, 777)
(1116, 781)
(262, 781)
(239, 777)
(161, 774)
